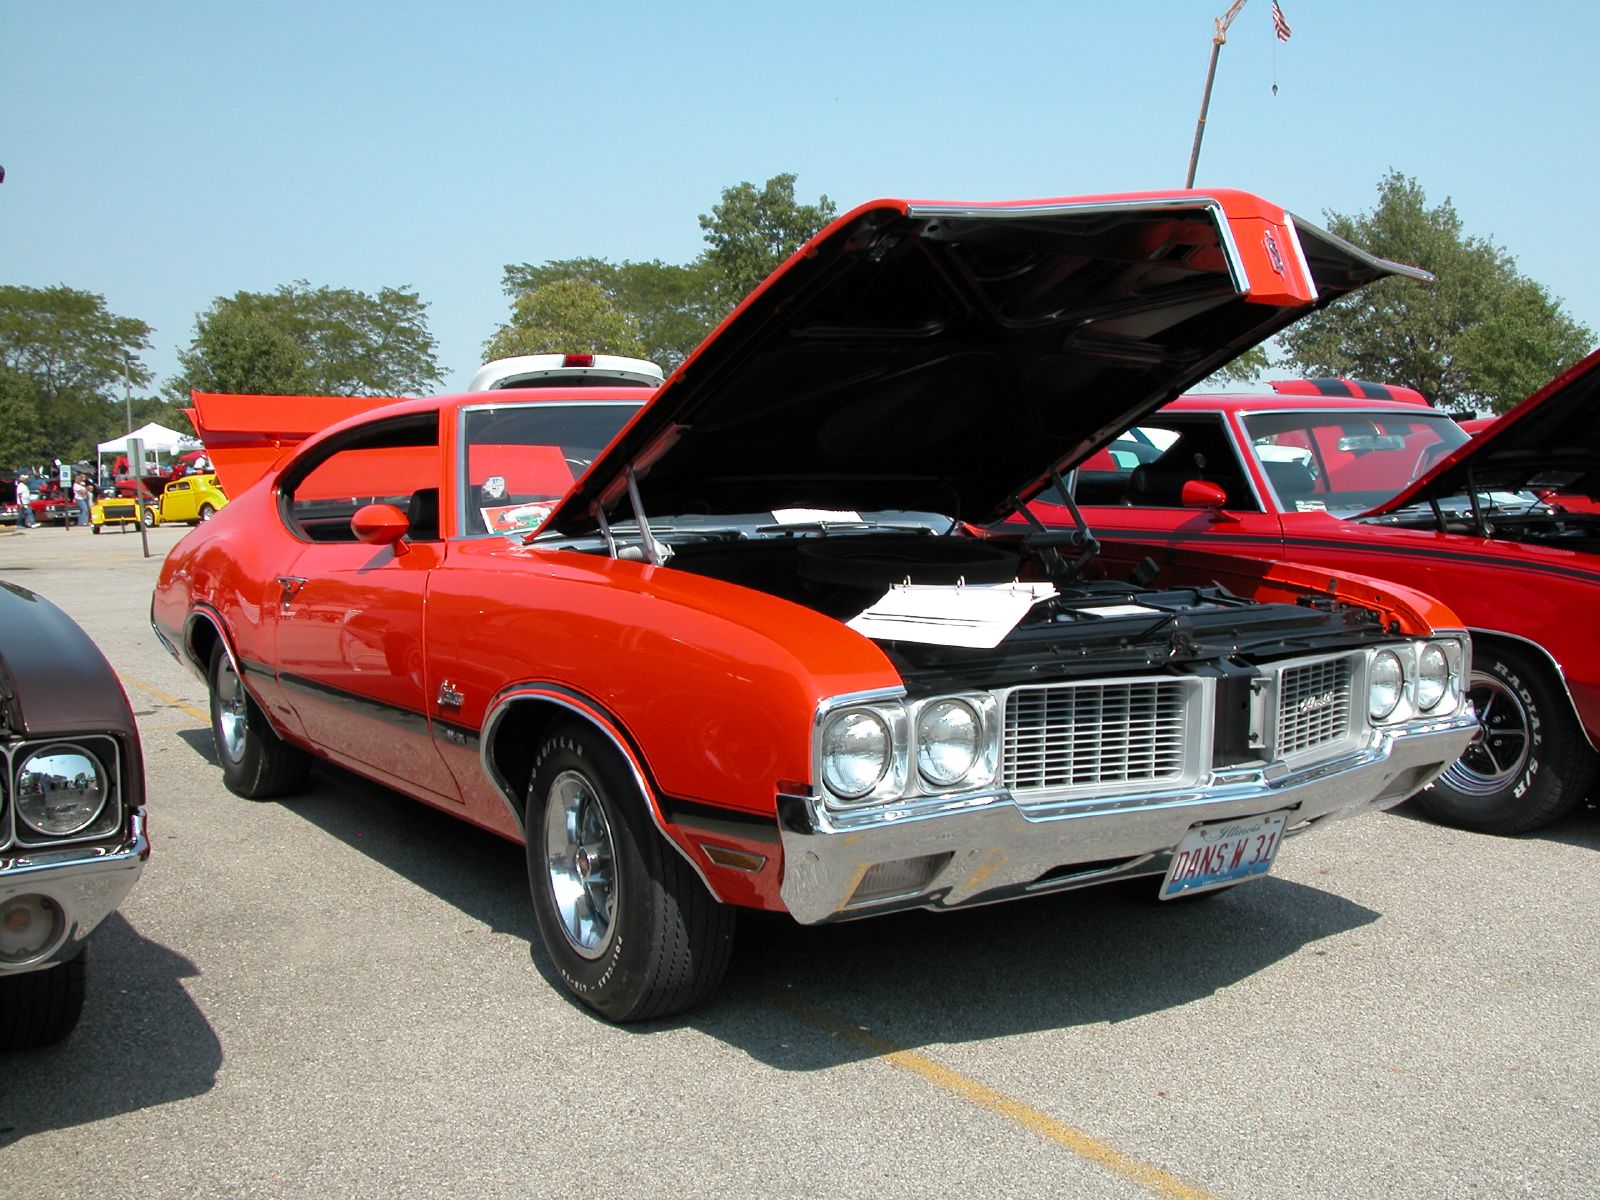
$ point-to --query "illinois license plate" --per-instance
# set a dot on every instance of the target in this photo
(1223, 852)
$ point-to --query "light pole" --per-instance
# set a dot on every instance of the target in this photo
(127, 396)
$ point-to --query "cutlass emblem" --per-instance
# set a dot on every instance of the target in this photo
(448, 696)
(1274, 255)
(1313, 703)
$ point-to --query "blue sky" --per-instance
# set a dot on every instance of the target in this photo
(166, 154)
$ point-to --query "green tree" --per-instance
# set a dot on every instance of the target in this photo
(566, 315)
(63, 360)
(751, 232)
(1481, 336)
(672, 307)
(312, 341)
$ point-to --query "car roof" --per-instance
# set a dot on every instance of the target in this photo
(1245, 402)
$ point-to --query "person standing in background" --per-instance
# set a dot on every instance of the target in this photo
(80, 493)
(24, 504)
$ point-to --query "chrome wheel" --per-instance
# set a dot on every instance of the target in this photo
(580, 862)
(233, 711)
(1500, 748)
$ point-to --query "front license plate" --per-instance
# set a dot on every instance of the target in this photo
(1224, 852)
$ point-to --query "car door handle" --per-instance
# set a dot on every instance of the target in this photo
(291, 585)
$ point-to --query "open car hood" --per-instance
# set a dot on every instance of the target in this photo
(1549, 442)
(945, 357)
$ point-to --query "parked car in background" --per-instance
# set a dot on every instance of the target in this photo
(72, 826)
(1392, 489)
(565, 370)
(8, 502)
(192, 499)
(124, 512)
(52, 504)
(761, 638)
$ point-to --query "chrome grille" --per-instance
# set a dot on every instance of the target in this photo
(1089, 735)
(1313, 705)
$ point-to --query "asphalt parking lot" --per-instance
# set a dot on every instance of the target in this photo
(335, 996)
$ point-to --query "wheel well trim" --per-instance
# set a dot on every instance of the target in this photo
(600, 720)
(204, 612)
(1544, 655)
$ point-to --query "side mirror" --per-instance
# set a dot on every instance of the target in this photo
(1197, 493)
(381, 525)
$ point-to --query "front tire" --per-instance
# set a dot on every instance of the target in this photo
(148, 516)
(631, 929)
(256, 763)
(39, 1008)
(1529, 763)
(207, 511)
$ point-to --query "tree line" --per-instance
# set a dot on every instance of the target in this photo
(1481, 337)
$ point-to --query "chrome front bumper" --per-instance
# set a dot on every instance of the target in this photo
(985, 848)
(86, 883)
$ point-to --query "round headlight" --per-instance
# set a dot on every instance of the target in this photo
(855, 753)
(1386, 683)
(1433, 676)
(61, 790)
(947, 741)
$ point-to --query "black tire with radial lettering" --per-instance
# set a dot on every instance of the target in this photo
(1529, 763)
(631, 929)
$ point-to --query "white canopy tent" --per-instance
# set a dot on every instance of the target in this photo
(157, 439)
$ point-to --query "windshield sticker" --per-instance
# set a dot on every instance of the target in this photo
(515, 518)
(1310, 506)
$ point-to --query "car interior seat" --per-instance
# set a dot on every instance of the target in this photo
(422, 512)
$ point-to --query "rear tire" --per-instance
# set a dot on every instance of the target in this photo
(206, 513)
(39, 1008)
(256, 763)
(631, 929)
(1529, 763)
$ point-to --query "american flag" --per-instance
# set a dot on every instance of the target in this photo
(1279, 25)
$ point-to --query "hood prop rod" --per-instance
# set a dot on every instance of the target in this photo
(1049, 541)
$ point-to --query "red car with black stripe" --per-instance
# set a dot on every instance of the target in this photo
(1364, 477)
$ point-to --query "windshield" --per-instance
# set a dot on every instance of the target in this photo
(1346, 461)
(517, 460)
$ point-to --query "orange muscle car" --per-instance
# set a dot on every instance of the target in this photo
(761, 638)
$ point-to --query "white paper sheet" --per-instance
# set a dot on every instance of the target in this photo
(954, 615)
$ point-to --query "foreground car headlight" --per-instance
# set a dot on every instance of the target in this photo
(61, 789)
(948, 741)
(1386, 684)
(1433, 676)
(856, 753)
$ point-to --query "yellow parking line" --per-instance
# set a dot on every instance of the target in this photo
(171, 701)
(1085, 1145)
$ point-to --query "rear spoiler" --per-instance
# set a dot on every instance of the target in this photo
(245, 435)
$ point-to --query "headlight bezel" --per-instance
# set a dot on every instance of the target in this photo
(1409, 705)
(903, 779)
(18, 828)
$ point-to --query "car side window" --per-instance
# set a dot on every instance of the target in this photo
(518, 460)
(1196, 448)
(384, 462)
